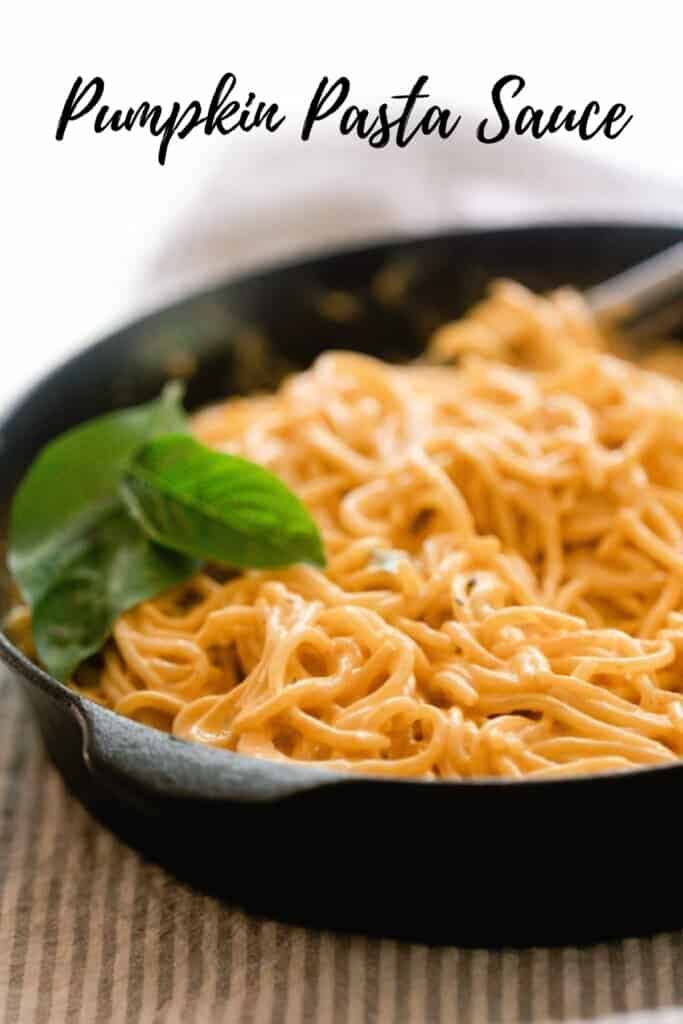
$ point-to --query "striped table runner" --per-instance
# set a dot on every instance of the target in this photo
(91, 933)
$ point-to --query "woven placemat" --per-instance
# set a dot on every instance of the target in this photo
(90, 932)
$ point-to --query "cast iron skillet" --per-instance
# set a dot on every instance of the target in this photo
(484, 862)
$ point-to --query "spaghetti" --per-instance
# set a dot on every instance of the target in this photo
(504, 589)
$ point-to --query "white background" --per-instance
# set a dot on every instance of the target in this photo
(95, 229)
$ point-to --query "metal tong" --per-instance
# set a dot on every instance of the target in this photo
(645, 301)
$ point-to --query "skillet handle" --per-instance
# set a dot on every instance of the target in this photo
(149, 769)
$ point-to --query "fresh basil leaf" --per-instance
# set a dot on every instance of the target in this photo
(113, 567)
(218, 507)
(72, 487)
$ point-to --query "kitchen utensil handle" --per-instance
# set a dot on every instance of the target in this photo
(644, 291)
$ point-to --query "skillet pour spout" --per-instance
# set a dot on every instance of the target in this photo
(478, 862)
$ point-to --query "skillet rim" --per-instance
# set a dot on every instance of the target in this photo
(279, 780)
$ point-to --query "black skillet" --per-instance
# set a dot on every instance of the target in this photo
(483, 862)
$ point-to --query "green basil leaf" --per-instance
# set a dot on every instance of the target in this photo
(112, 567)
(72, 486)
(218, 507)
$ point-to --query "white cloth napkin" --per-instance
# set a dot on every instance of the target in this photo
(222, 206)
(282, 197)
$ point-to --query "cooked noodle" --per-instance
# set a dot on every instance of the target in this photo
(504, 590)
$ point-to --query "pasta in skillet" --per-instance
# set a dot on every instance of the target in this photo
(504, 589)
